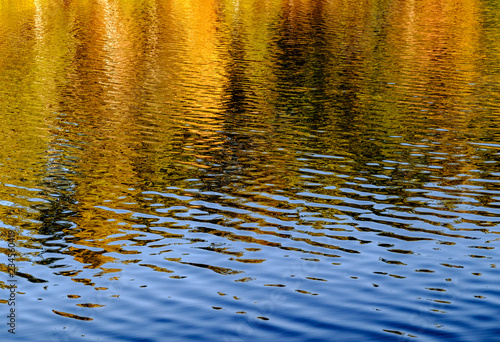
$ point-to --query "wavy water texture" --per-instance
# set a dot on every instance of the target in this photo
(251, 170)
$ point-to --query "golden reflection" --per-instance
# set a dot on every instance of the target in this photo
(106, 99)
(70, 315)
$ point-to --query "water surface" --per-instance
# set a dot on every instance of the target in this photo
(251, 170)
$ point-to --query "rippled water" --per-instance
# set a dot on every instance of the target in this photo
(251, 170)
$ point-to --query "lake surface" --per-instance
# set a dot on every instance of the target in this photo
(250, 170)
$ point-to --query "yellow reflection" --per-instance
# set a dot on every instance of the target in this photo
(101, 100)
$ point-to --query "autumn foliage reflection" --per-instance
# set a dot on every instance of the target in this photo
(106, 99)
